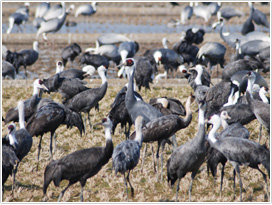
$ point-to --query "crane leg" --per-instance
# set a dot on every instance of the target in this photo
(125, 181)
(157, 159)
(63, 191)
(81, 193)
(260, 133)
(234, 173)
(89, 120)
(39, 148)
(51, 141)
(237, 169)
(174, 142)
(177, 189)
(152, 150)
(222, 178)
(14, 175)
(265, 180)
(191, 184)
(162, 149)
(145, 148)
(132, 190)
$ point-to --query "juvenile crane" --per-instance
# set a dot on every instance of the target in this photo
(126, 154)
(79, 165)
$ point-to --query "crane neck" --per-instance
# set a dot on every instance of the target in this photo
(198, 80)
(63, 13)
(12, 139)
(224, 123)
(108, 133)
(221, 31)
(164, 43)
(102, 76)
(94, 6)
(139, 135)
(230, 99)
(35, 90)
(250, 84)
(211, 135)
(21, 114)
(188, 117)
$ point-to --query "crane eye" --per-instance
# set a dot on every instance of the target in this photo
(104, 120)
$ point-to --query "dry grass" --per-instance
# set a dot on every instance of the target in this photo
(105, 186)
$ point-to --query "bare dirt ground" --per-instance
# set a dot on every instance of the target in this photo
(105, 186)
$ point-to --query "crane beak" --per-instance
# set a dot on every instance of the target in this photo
(246, 76)
(228, 117)
(120, 65)
(99, 123)
(44, 87)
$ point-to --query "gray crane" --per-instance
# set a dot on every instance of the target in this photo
(240, 151)
(23, 138)
(228, 13)
(126, 154)
(79, 165)
(41, 10)
(52, 25)
(86, 100)
(189, 156)
(111, 38)
(86, 9)
(19, 17)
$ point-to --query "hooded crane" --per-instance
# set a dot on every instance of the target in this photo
(164, 127)
(144, 73)
(30, 104)
(119, 113)
(30, 56)
(48, 117)
(67, 87)
(189, 156)
(212, 53)
(52, 25)
(70, 52)
(126, 154)
(19, 17)
(23, 138)
(79, 165)
(9, 158)
(214, 157)
(86, 100)
(248, 26)
(94, 60)
(240, 151)
(8, 70)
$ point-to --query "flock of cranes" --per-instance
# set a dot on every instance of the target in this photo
(238, 99)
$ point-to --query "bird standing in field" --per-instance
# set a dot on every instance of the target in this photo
(86, 100)
(240, 151)
(23, 138)
(126, 154)
(189, 156)
(9, 158)
(79, 165)
(69, 53)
